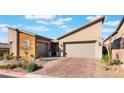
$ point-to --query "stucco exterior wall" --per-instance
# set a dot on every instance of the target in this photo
(120, 52)
(98, 50)
(90, 33)
(120, 32)
(22, 38)
(12, 37)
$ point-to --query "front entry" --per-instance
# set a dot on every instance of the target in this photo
(55, 49)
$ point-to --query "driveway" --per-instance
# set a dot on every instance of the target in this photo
(70, 67)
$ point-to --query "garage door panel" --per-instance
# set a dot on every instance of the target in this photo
(85, 50)
(42, 49)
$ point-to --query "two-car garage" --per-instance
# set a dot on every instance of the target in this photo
(83, 42)
(79, 49)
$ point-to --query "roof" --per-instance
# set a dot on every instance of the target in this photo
(83, 27)
(55, 41)
(116, 31)
(4, 45)
(29, 33)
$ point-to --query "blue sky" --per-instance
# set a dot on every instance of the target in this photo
(53, 26)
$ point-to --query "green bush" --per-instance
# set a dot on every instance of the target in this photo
(8, 55)
(106, 58)
(116, 62)
(31, 67)
(11, 66)
(8, 66)
(2, 66)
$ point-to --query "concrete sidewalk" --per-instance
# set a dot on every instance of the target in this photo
(37, 76)
(12, 73)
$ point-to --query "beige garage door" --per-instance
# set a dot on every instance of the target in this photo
(83, 50)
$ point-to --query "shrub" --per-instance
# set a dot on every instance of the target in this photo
(106, 68)
(11, 66)
(116, 62)
(32, 58)
(19, 64)
(31, 67)
(106, 58)
(24, 65)
(2, 66)
(8, 66)
(8, 55)
(41, 58)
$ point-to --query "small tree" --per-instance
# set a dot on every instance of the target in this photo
(26, 47)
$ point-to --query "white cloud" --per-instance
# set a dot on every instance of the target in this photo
(37, 28)
(61, 23)
(108, 30)
(70, 29)
(42, 22)
(112, 23)
(91, 18)
(3, 27)
(65, 19)
(58, 22)
(63, 26)
(40, 16)
(18, 25)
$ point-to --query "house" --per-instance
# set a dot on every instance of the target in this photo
(4, 47)
(115, 42)
(84, 42)
(22, 42)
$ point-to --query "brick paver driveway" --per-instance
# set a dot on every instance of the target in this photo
(70, 67)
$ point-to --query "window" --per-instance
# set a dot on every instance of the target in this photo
(116, 44)
(26, 44)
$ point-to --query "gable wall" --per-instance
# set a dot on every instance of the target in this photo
(120, 32)
(90, 33)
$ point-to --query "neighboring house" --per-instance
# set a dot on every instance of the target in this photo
(4, 47)
(84, 42)
(115, 42)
